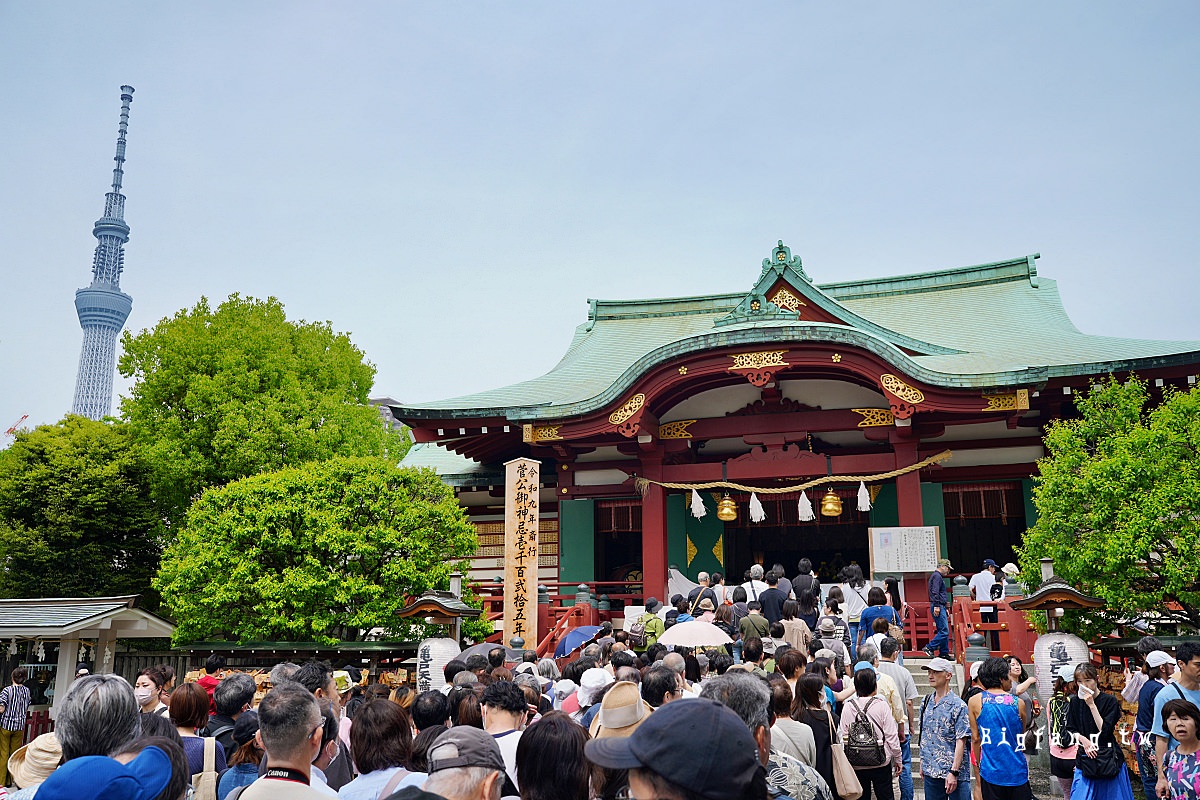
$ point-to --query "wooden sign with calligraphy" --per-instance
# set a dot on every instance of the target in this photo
(521, 493)
(912, 549)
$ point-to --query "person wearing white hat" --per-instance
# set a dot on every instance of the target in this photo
(33, 763)
(1159, 667)
(621, 711)
(945, 737)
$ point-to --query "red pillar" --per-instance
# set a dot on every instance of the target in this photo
(654, 534)
(908, 486)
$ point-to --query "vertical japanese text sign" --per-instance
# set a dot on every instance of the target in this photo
(521, 487)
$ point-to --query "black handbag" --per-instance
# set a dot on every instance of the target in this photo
(1106, 764)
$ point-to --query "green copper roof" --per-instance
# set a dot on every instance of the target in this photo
(982, 327)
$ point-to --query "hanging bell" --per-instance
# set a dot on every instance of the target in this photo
(831, 504)
(727, 509)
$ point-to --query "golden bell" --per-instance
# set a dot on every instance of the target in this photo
(831, 505)
(727, 509)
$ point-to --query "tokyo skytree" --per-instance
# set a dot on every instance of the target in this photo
(102, 306)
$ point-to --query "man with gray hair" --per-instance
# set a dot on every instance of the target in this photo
(283, 671)
(464, 764)
(749, 697)
(675, 663)
(290, 729)
(755, 585)
(699, 593)
(97, 716)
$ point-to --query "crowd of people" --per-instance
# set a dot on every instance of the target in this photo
(816, 711)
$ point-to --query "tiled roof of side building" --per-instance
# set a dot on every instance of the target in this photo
(985, 326)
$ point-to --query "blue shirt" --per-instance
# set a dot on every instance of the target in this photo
(937, 590)
(241, 775)
(943, 723)
(1001, 733)
(1169, 692)
(872, 613)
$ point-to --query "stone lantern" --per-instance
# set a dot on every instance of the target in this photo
(1055, 647)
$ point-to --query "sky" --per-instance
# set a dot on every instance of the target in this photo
(450, 182)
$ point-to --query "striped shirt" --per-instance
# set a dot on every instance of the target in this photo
(15, 700)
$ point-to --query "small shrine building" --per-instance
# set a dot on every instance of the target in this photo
(780, 385)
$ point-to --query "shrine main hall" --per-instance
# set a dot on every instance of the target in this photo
(774, 386)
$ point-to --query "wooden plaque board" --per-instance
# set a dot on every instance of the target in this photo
(897, 550)
(522, 486)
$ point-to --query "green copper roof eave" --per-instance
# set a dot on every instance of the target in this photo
(815, 332)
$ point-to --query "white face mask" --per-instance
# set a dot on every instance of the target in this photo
(143, 696)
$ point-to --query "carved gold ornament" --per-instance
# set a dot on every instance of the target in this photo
(683, 370)
(719, 550)
(787, 301)
(837, 358)
(909, 394)
(675, 430)
(628, 409)
(691, 550)
(874, 417)
(532, 434)
(759, 360)
(1014, 401)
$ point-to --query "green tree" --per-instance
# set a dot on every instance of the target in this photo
(76, 514)
(1118, 503)
(220, 395)
(321, 552)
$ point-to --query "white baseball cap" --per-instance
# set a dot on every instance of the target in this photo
(975, 665)
(1157, 658)
(939, 665)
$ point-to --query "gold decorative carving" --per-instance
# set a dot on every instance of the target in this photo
(683, 370)
(909, 394)
(532, 434)
(874, 417)
(1012, 401)
(628, 409)
(719, 550)
(758, 360)
(691, 551)
(675, 430)
(874, 490)
(787, 301)
(837, 358)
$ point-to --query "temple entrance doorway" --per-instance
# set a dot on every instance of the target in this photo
(829, 542)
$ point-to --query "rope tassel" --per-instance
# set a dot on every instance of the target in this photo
(864, 497)
(698, 509)
(757, 513)
(806, 509)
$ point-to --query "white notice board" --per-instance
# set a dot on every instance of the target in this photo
(904, 549)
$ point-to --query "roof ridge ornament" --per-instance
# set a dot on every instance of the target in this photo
(781, 256)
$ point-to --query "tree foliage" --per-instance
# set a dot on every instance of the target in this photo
(76, 514)
(321, 552)
(220, 395)
(1118, 504)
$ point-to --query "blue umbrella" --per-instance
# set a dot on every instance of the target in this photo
(575, 639)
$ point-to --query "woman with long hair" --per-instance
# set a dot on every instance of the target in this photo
(854, 590)
(877, 608)
(550, 760)
(807, 607)
(809, 707)
(1092, 719)
(247, 755)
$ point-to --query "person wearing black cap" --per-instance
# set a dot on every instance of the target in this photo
(720, 760)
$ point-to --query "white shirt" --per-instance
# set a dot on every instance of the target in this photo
(754, 589)
(982, 583)
(507, 742)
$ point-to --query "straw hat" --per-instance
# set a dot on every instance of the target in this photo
(33, 763)
(621, 712)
